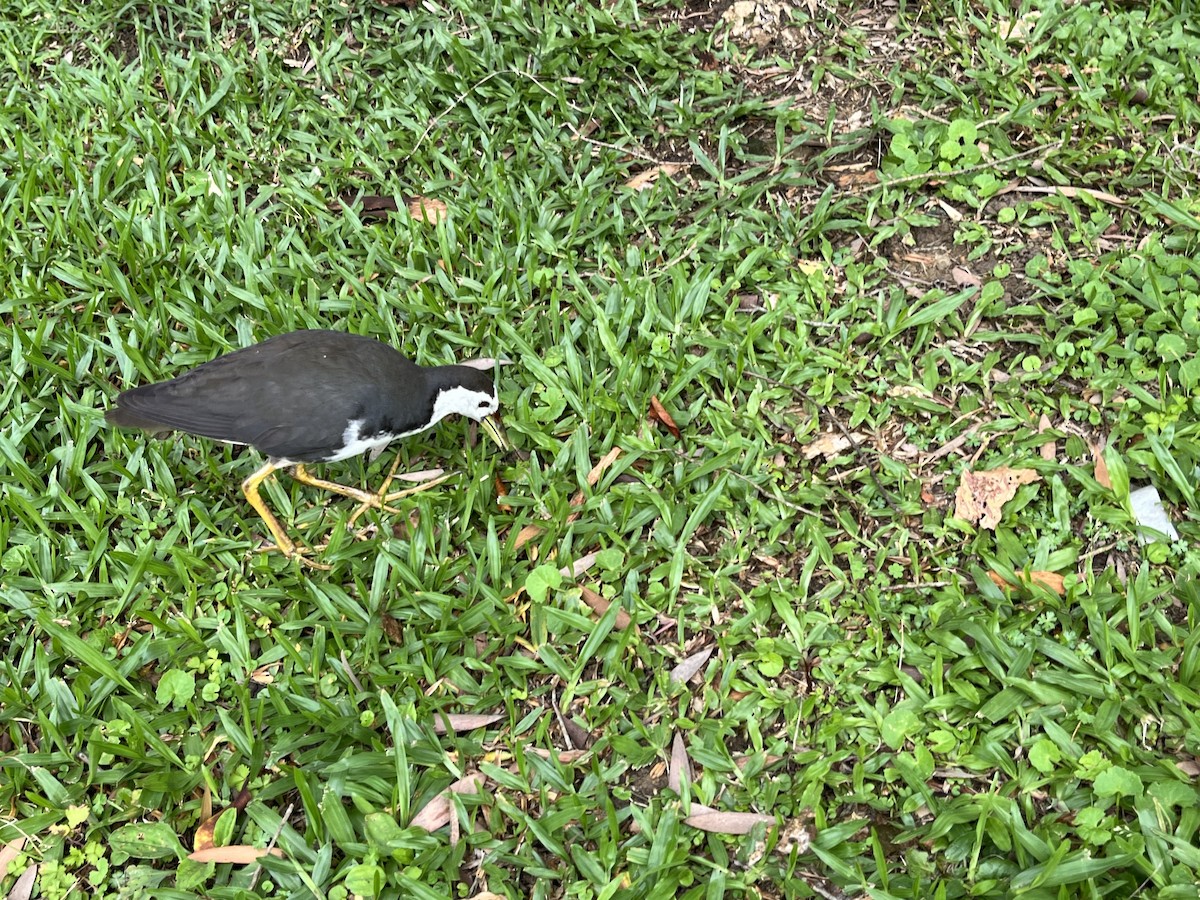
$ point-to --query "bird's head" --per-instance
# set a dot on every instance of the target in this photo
(471, 393)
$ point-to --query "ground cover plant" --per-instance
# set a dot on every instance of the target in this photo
(843, 335)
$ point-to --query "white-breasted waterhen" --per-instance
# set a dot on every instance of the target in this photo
(306, 397)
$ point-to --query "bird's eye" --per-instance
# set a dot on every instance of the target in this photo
(483, 404)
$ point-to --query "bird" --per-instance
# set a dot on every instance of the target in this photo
(306, 397)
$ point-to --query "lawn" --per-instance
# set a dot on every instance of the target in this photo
(845, 337)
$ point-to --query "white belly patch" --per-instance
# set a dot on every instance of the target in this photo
(355, 444)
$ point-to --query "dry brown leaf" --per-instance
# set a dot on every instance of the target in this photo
(428, 210)
(648, 177)
(1048, 450)
(683, 672)
(1051, 580)
(371, 206)
(501, 493)
(566, 757)
(1100, 472)
(796, 834)
(1189, 767)
(578, 567)
(438, 811)
(827, 444)
(577, 735)
(236, 854)
(720, 822)
(856, 179)
(965, 277)
(981, 495)
(1073, 192)
(463, 722)
(680, 770)
(9, 852)
(658, 413)
(600, 606)
(391, 627)
(204, 834)
(527, 534)
(23, 888)
(597, 470)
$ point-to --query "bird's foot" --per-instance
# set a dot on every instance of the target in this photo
(294, 551)
(382, 498)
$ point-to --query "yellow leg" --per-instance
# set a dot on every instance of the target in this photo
(382, 498)
(301, 474)
(283, 543)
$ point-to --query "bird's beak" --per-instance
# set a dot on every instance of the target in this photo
(491, 426)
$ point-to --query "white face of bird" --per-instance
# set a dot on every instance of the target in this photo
(463, 401)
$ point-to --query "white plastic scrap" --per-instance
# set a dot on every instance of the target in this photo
(1149, 513)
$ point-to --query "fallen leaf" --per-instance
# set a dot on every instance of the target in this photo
(428, 210)
(951, 212)
(376, 207)
(529, 532)
(683, 672)
(391, 627)
(1051, 580)
(680, 770)
(577, 735)
(463, 722)
(1100, 470)
(908, 390)
(204, 834)
(438, 811)
(1189, 767)
(502, 492)
(965, 277)
(647, 177)
(236, 854)
(981, 495)
(1048, 450)
(827, 444)
(578, 567)
(241, 799)
(597, 470)
(796, 834)
(856, 179)
(9, 852)
(419, 477)
(600, 605)
(720, 822)
(658, 413)
(23, 888)
(1073, 192)
(566, 757)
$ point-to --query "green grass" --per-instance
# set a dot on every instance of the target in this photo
(180, 180)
